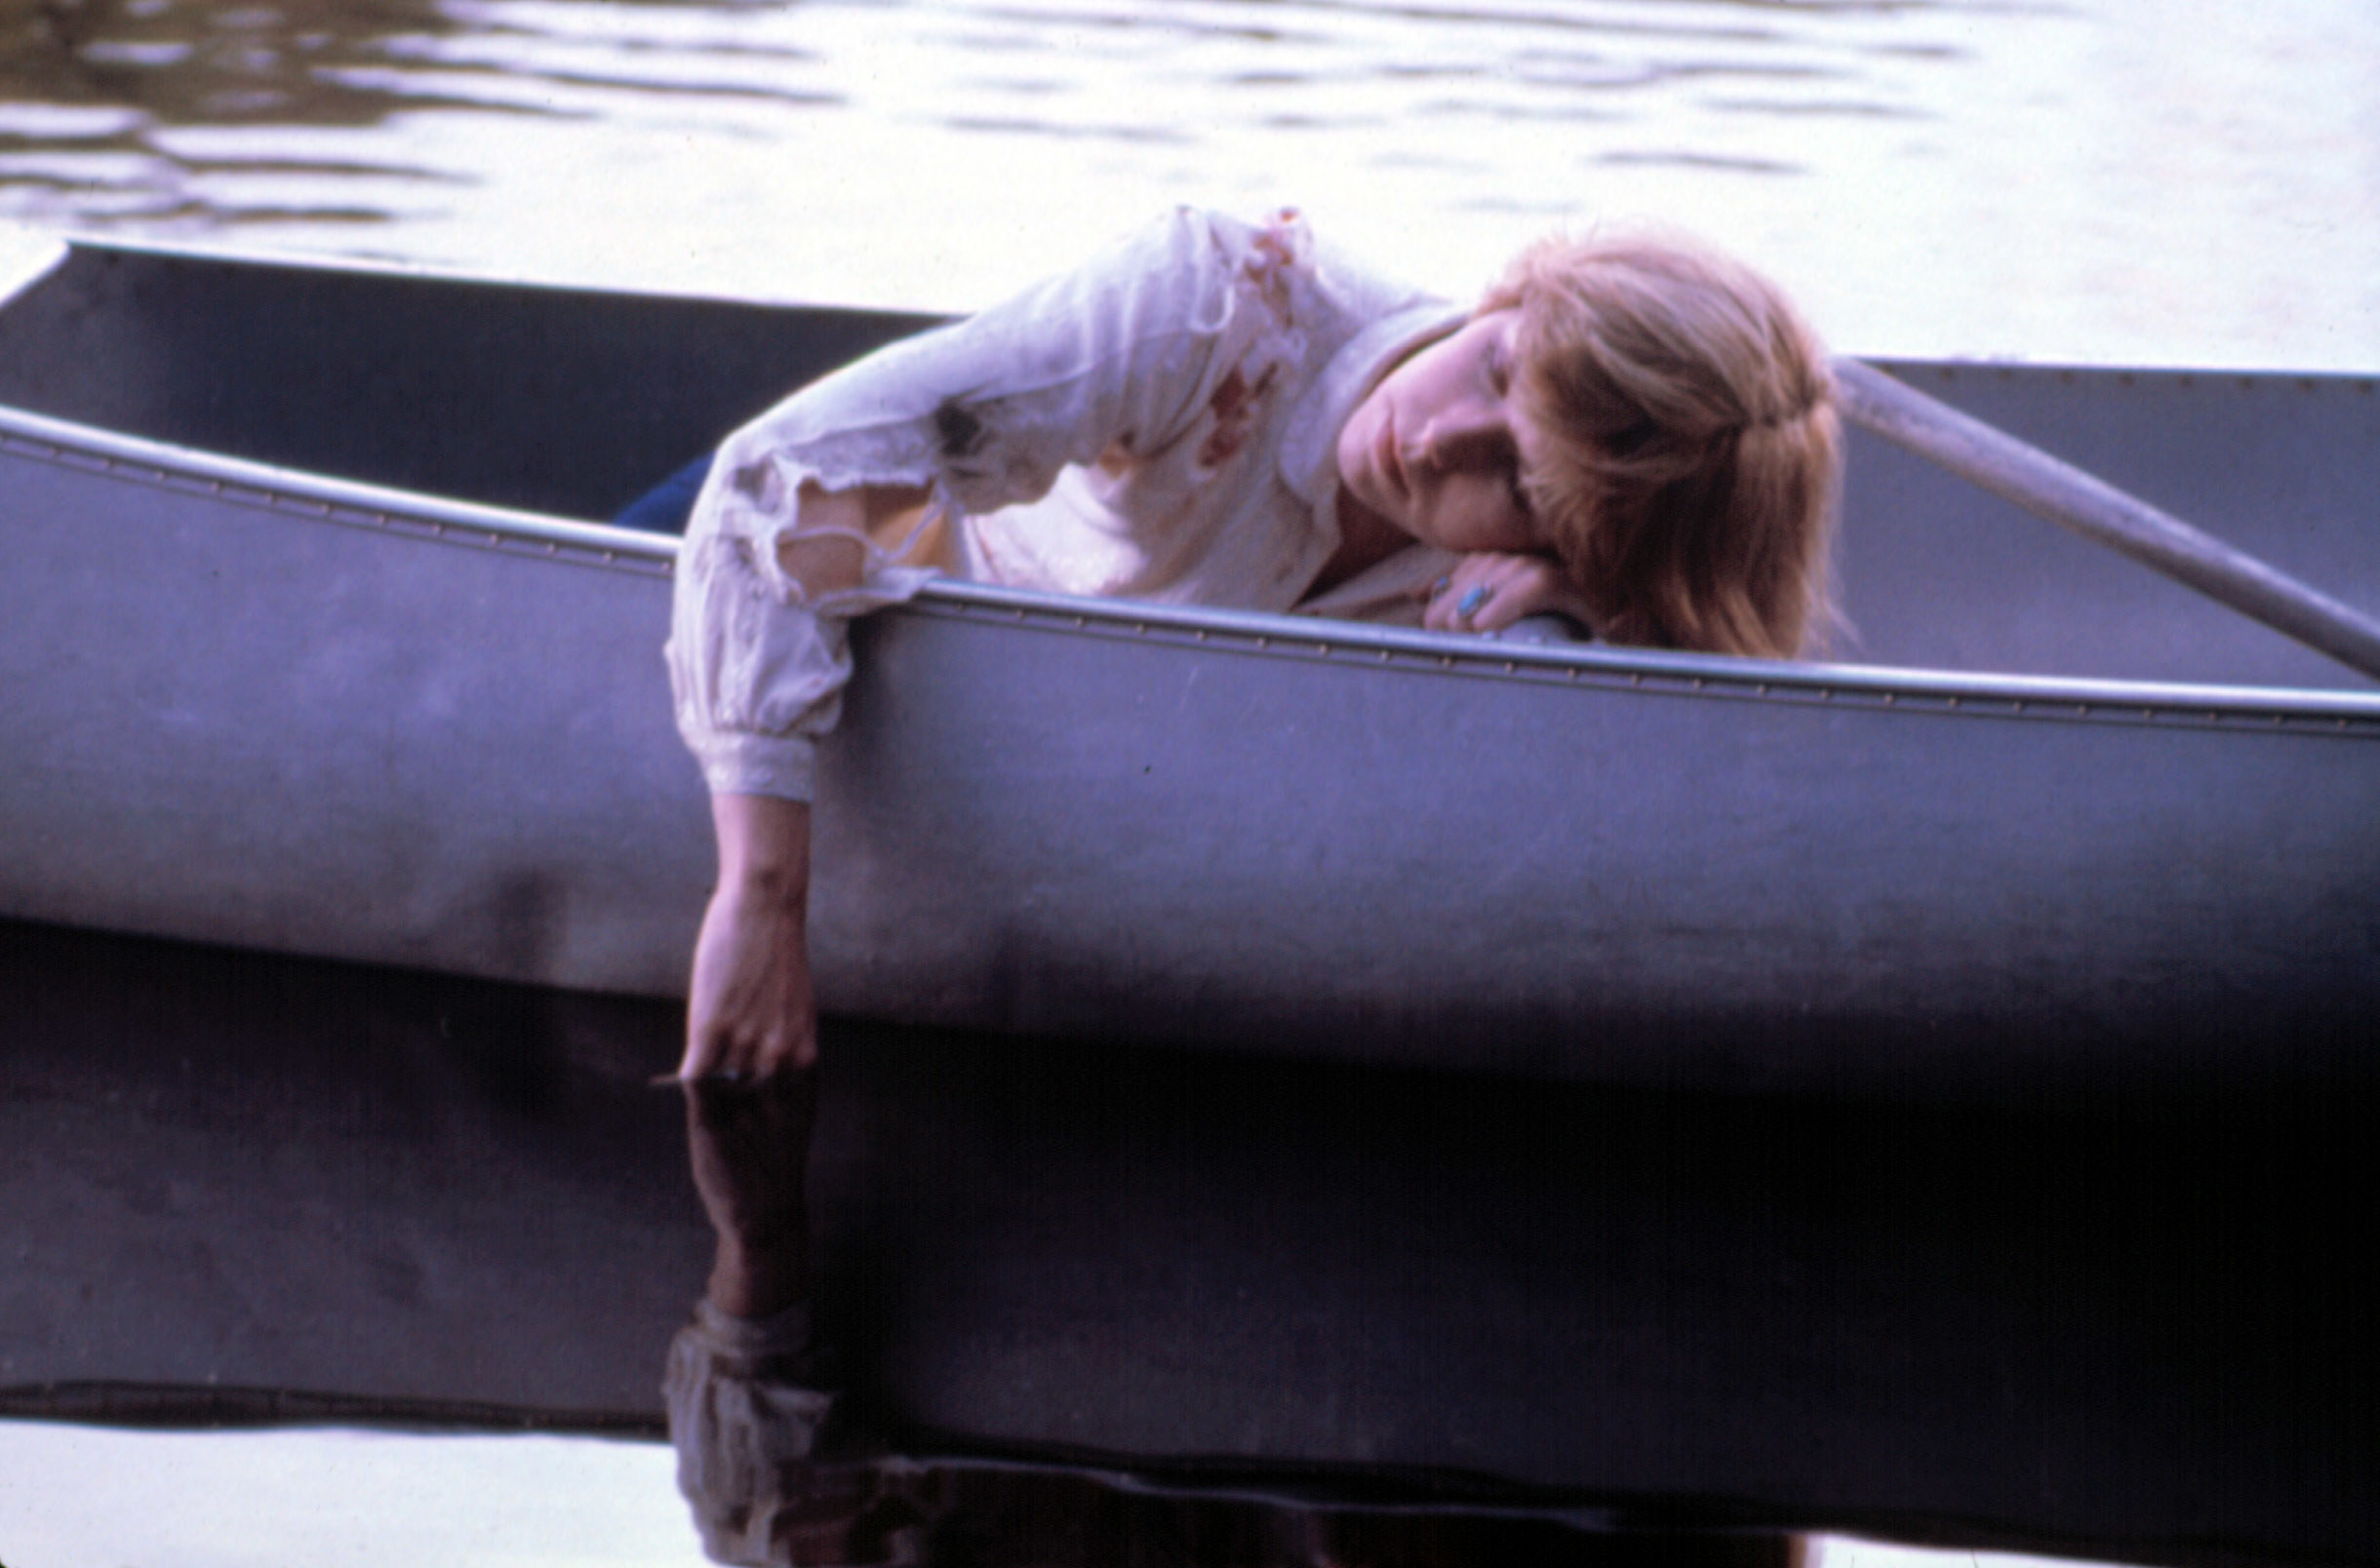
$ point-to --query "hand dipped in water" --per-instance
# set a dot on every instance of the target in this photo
(750, 1011)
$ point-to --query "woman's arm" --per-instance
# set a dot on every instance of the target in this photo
(750, 1011)
(1126, 351)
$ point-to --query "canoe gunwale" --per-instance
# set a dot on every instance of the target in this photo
(324, 498)
(70, 241)
(1659, 672)
(413, 514)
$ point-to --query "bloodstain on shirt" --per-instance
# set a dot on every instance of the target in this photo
(1234, 406)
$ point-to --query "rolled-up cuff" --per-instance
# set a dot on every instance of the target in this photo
(744, 763)
(745, 1435)
(735, 1415)
(742, 1344)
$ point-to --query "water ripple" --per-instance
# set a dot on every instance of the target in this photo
(766, 139)
(1701, 160)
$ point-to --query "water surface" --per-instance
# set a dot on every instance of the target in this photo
(2130, 180)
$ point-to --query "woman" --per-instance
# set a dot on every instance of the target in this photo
(1638, 436)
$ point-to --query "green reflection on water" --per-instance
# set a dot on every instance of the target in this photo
(143, 110)
(195, 64)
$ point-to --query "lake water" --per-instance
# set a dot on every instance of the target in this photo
(2146, 181)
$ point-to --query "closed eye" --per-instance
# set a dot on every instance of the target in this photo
(1516, 477)
(1499, 377)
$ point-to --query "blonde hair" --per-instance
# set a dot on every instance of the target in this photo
(1695, 453)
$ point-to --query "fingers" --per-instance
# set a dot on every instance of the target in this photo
(718, 1049)
(1441, 613)
(749, 1013)
(769, 1034)
(713, 1054)
(1487, 592)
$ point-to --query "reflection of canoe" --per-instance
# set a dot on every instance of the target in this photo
(412, 714)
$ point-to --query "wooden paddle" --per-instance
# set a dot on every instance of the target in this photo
(2067, 495)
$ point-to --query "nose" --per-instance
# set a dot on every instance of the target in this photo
(1466, 435)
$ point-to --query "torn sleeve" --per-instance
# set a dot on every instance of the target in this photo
(1123, 355)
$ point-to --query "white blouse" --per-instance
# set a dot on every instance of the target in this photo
(1161, 424)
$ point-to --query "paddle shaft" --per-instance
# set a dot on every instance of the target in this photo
(2071, 498)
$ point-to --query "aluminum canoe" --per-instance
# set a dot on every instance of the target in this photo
(310, 641)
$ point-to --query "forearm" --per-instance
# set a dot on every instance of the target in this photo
(758, 1281)
(764, 850)
(751, 694)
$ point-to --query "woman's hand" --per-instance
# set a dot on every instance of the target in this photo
(1487, 591)
(750, 1012)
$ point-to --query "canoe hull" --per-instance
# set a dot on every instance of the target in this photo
(1573, 869)
(264, 721)
(425, 735)
(247, 703)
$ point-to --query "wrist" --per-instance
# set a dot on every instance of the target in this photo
(764, 846)
(766, 885)
(749, 1284)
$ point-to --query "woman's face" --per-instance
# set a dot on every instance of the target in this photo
(1438, 447)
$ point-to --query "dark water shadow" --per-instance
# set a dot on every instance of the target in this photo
(2138, 1333)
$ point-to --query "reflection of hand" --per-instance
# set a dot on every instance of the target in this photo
(750, 1145)
(1488, 590)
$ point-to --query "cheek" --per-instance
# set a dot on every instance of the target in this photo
(1483, 514)
(1355, 438)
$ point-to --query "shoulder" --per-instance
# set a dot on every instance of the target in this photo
(1331, 292)
(1201, 246)
(1185, 227)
